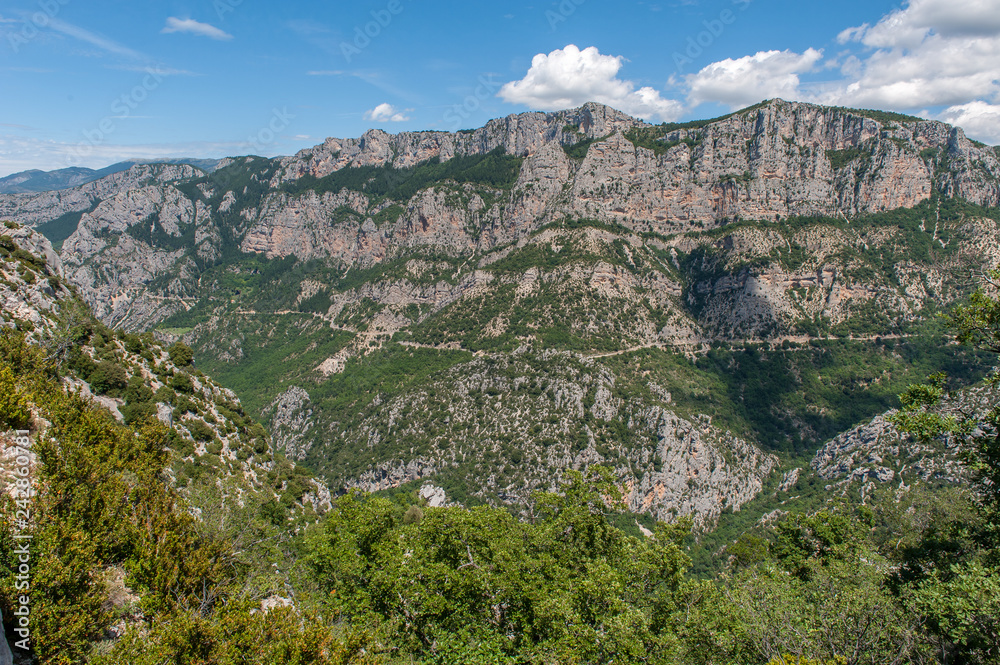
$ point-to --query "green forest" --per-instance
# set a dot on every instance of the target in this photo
(127, 568)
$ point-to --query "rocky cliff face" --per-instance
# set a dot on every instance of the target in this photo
(523, 135)
(487, 308)
(765, 163)
(129, 376)
(877, 452)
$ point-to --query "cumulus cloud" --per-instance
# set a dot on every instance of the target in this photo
(387, 113)
(930, 53)
(569, 77)
(743, 81)
(189, 25)
(908, 27)
(979, 119)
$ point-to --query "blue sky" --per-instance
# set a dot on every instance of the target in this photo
(91, 83)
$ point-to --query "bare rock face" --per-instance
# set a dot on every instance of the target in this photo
(291, 422)
(522, 134)
(32, 293)
(877, 452)
(682, 467)
(763, 163)
(33, 209)
(703, 471)
(434, 496)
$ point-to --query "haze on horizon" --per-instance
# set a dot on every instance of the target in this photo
(89, 85)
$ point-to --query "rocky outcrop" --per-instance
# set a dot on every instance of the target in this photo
(32, 292)
(703, 471)
(34, 209)
(291, 420)
(764, 163)
(523, 134)
(510, 425)
(877, 452)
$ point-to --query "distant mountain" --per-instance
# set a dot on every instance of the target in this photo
(35, 180)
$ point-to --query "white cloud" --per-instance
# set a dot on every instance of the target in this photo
(175, 24)
(743, 81)
(569, 77)
(93, 39)
(931, 53)
(387, 113)
(908, 27)
(979, 119)
(927, 56)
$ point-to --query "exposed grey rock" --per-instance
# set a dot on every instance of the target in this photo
(290, 423)
(877, 452)
(434, 496)
(764, 163)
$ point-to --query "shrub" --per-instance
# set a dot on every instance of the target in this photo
(200, 430)
(14, 411)
(108, 378)
(136, 412)
(181, 354)
(181, 382)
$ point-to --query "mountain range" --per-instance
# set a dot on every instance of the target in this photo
(701, 306)
(35, 180)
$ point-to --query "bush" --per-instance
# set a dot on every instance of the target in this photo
(14, 411)
(133, 344)
(181, 382)
(136, 412)
(200, 430)
(108, 378)
(181, 354)
(138, 391)
(185, 405)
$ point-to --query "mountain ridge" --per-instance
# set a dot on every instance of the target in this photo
(484, 309)
(36, 180)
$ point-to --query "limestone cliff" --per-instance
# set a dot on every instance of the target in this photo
(487, 308)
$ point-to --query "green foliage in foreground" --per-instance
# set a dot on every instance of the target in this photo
(911, 577)
(105, 506)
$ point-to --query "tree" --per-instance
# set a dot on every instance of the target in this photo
(961, 601)
(930, 412)
(181, 354)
